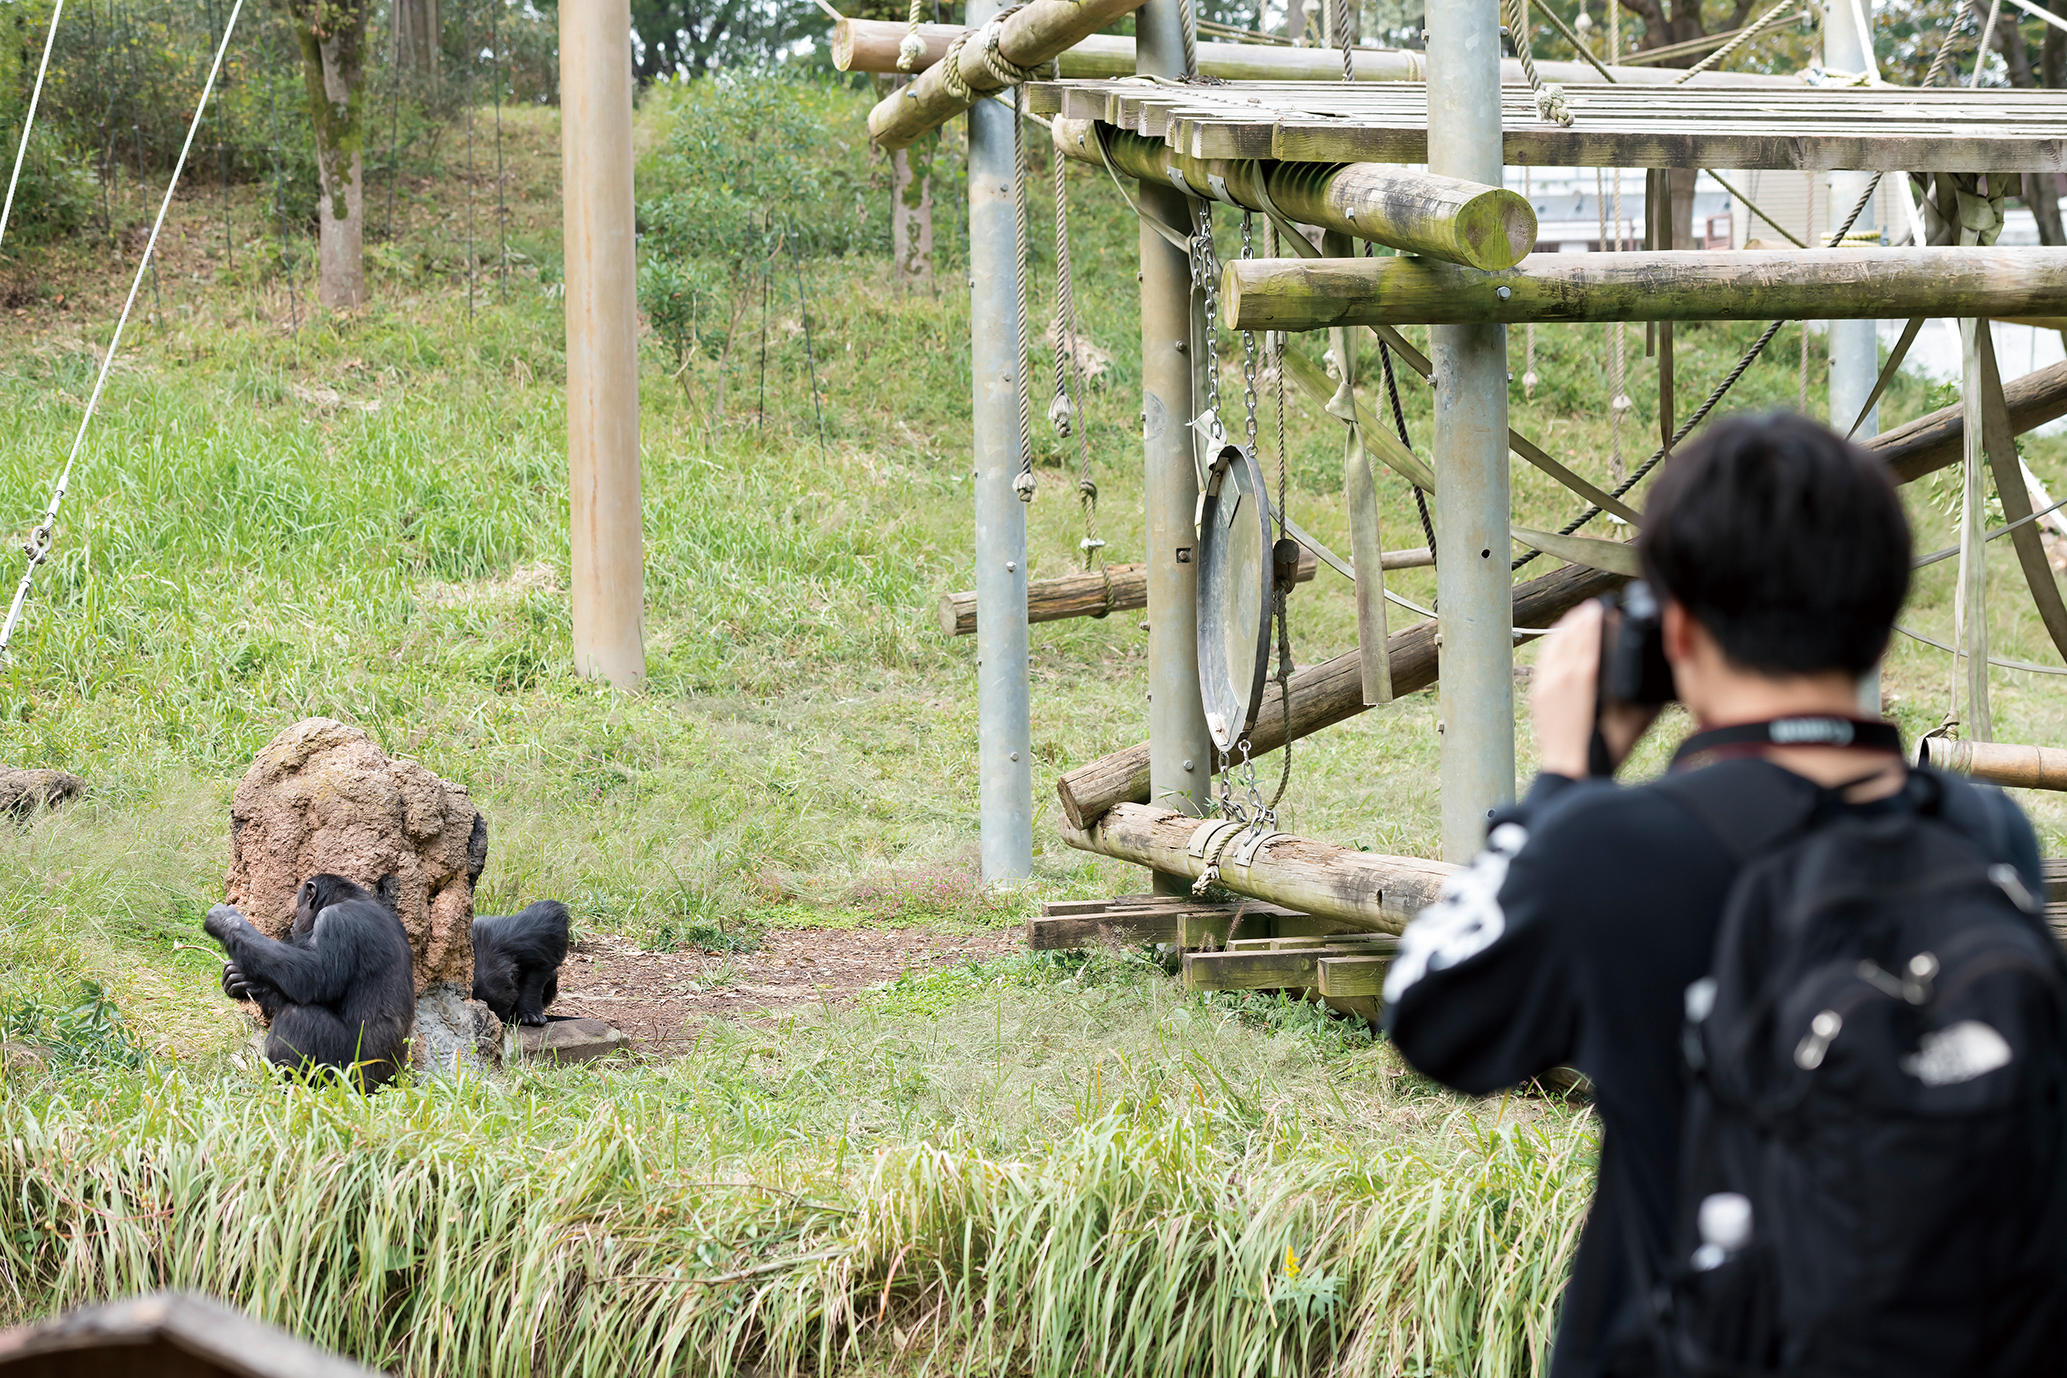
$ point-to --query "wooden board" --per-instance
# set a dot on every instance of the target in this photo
(1353, 975)
(1814, 128)
(1129, 920)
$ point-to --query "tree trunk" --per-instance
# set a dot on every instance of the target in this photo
(333, 52)
(1295, 19)
(416, 38)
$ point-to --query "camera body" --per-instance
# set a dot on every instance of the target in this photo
(1633, 668)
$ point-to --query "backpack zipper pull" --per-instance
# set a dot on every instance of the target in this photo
(1808, 1054)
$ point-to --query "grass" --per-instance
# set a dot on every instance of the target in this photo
(1019, 1166)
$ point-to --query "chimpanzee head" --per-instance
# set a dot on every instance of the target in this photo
(318, 893)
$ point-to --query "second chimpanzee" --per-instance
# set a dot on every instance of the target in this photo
(517, 961)
(338, 990)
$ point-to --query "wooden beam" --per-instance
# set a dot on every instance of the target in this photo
(1349, 976)
(872, 45)
(1416, 212)
(1360, 888)
(1937, 440)
(1737, 285)
(1027, 36)
(1279, 969)
(1999, 763)
(1084, 594)
(1325, 694)
(1178, 919)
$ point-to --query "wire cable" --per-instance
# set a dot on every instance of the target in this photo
(29, 121)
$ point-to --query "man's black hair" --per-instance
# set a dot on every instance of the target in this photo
(1787, 542)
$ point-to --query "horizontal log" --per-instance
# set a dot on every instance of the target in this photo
(1999, 763)
(1081, 595)
(1375, 892)
(1733, 285)
(1029, 36)
(1416, 212)
(1937, 440)
(871, 45)
(1325, 694)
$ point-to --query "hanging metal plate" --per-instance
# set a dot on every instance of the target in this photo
(1234, 594)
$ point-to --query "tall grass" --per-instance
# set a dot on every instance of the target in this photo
(440, 1231)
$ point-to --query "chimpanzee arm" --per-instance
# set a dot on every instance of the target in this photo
(315, 975)
(239, 985)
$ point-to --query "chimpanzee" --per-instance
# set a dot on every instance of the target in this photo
(517, 961)
(338, 990)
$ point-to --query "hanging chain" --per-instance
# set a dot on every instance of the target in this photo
(1205, 277)
(1067, 412)
(1023, 485)
(1249, 351)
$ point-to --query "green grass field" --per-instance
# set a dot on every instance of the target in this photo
(1024, 1166)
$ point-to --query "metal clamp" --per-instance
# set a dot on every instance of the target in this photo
(1245, 851)
(1206, 834)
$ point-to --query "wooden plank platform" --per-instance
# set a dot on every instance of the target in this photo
(1815, 128)
(1178, 919)
(1348, 965)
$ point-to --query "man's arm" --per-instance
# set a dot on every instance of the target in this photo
(1479, 996)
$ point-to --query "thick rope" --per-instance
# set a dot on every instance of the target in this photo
(1345, 36)
(37, 548)
(1744, 36)
(913, 47)
(29, 120)
(1550, 97)
(1187, 25)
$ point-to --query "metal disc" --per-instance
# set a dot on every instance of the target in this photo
(1234, 595)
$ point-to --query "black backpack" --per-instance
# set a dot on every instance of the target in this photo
(1874, 1160)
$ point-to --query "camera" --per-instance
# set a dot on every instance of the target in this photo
(1633, 668)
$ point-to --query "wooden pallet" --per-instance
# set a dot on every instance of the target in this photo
(1177, 920)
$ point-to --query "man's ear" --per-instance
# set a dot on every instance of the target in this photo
(1680, 632)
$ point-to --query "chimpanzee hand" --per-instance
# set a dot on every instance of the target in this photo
(222, 921)
(534, 1018)
(234, 984)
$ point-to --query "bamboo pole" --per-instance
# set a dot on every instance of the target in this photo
(871, 45)
(1325, 694)
(1999, 763)
(1416, 212)
(1740, 285)
(1028, 37)
(1374, 892)
(607, 555)
(1122, 588)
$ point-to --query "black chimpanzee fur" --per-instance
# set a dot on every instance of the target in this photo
(339, 991)
(517, 961)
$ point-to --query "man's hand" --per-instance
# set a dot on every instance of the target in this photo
(1564, 692)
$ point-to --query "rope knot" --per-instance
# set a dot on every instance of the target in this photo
(910, 52)
(1024, 486)
(1060, 414)
(1552, 105)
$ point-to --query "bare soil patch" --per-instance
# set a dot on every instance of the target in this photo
(658, 999)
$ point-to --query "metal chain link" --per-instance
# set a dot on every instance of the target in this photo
(1249, 344)
(1205, 277)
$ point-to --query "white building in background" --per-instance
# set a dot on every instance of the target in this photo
(1574, 204)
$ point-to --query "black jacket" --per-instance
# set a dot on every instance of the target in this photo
(1571, 941)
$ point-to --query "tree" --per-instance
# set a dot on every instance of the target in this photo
(418, 37)
(332, 37)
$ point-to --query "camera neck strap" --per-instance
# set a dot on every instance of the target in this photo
(1752, 738)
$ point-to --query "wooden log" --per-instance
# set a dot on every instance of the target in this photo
(1084, 595)
(871, 45)
(1364, 889)
(1999, 763)
(1026, 37)
(1416, 212)
(1937, 440)
(1738, 285)
(1325, 694)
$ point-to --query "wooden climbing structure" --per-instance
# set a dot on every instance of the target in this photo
(1371, 191)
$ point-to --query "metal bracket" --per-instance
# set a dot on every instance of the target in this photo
(1245, 851)
(1206, 834)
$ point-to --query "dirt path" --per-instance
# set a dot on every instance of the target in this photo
(658, 998)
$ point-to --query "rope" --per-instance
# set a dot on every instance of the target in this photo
(29, 121)
(1187, 24)
(1744, 36)
(37, 548)
(1345, 39)
(1399, 422)
(913, 47)
(1550, 97)
(1023, 484)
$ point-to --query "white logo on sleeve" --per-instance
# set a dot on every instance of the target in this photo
(1959, 1052)
(1464, 922)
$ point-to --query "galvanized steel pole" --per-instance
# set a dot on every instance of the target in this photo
(1180, 751)
(1854, 345)
(607, 569)
(1473, 597)
(1004, 736)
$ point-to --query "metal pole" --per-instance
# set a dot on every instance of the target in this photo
(607, 574)
(1180, 751)
(1854, 345)
(1004, 736)
(1471, 504)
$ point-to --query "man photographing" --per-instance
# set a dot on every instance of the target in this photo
(1821, 1013)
